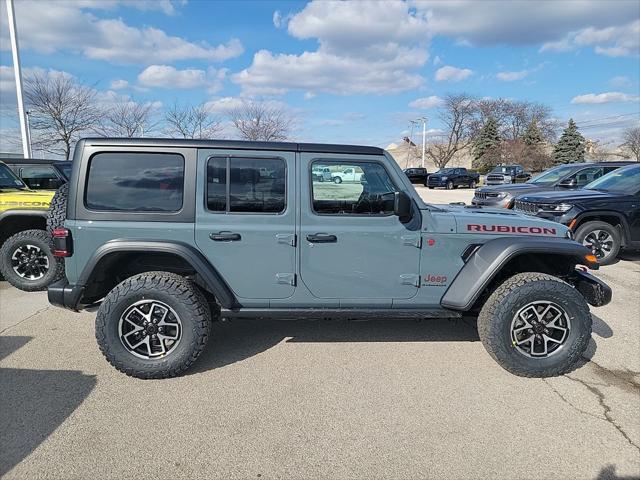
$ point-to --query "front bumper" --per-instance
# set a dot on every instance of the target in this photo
(436, 182)
(595, 291)
(62, 294)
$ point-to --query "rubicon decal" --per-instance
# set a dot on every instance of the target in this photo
(511, 229)
(24, 204)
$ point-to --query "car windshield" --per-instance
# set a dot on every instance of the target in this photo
(506, 170)
(553, 175)
(8, 179)
(446, 170)
(623, 180)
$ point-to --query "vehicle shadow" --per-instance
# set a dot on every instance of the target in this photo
(34, 404)
(237, 340)
(609, 473)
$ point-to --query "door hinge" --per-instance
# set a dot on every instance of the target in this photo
(412, 240)
(286, 238)
(286, 278)
(410, 279)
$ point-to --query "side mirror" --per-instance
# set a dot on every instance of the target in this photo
(568, 183)
(402, 206)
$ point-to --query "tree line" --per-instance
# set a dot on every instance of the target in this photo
(503, 131)
(61, 111)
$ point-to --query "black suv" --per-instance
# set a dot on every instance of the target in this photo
(605, 215)
(562, 177)
(505, 174)
(40, 174)
(417, 175)
(451, 178)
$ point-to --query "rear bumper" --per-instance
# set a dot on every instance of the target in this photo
(595, 291)
(62, 294)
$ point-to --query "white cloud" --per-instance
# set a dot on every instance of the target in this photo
(165, 76)
(452, 74)
(606, 97)
(614, 41)
(69, 26)
(512, 76)
(119, 84)
(277, 19)
(224, 104)
(427, 102)
(364, 47)
(620, 81)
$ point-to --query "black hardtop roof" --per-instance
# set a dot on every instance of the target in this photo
(32, 161)
(235, 144)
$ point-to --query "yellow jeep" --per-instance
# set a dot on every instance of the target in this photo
(26, 258)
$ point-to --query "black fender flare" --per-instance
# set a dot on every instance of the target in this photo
(489, 258)
(212, 278)
(23, 212)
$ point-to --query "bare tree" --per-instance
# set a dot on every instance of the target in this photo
(457, 115)
(127, 119)
(192, 122)
(513, 117)
(261, 121)
(631, 138)
(60, 111)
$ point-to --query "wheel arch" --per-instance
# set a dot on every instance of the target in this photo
(615, 219)
(117, 260)
(14, 221)
(494, 261)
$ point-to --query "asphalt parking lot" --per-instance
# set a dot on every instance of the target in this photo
(326, 399)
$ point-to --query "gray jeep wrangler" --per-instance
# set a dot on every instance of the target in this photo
(165, 236)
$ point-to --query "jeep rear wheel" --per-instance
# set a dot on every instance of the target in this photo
(27, 261)
(153, 325)
(535, 325)
(603, 239)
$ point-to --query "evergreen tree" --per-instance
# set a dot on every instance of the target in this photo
(488, 139)
(532, 136)
(571, 146)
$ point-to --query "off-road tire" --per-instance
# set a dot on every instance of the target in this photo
(494, 324)
(58, 208)
(588, 227)
(41, 240)
(180, 294)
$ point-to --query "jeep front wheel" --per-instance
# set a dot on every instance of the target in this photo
(535, 325)
(27, 261)
(153, 325)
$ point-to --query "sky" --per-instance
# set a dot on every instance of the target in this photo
(349, 72)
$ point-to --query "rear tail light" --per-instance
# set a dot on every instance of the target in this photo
(62, 243)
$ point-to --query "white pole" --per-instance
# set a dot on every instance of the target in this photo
(424, 138)
(26, 145)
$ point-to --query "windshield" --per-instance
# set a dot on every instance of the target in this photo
(8, 179)
(446, 170)
(623, 180)
(553, 175)
(506, 170)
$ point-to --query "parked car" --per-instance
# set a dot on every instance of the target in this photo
(505, 174)
(349, 174)
(161, 240)
(451, 178)
(321, 174)
(562, 177)
(417, 175)
(605, 215)
(26, 256)
(40, 174)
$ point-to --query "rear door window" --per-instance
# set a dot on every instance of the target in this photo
(135, 182)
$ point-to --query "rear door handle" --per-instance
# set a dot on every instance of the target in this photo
(225, 237)
(322, 238)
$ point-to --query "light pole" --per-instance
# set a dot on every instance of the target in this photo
(24, 129)
(413, 124)
(424, 137)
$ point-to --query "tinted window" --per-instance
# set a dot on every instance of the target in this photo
(140, 182)
(588, 175)
(8, 178)
(249, 185)
(40, 177)
(369, 191)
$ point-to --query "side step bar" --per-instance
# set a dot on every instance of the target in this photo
(339, 313)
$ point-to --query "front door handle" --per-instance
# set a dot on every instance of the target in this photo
(225, 237)
(322, 238)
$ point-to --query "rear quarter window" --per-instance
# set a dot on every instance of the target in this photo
(135, 182)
